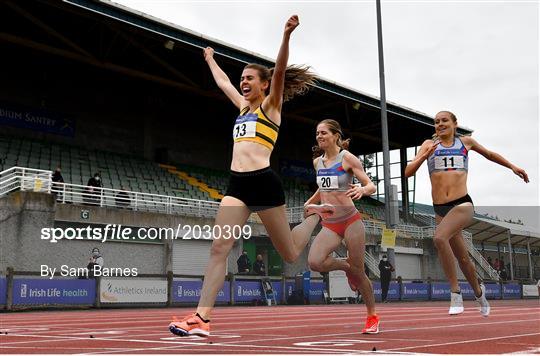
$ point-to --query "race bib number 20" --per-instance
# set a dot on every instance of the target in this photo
(328, 182)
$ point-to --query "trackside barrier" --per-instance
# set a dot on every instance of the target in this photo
(27, 290)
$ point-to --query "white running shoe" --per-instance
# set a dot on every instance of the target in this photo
(482, 302)
(323, 210)
(456, 304)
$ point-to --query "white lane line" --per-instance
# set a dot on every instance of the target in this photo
(296, 326)
(460, 342)
(530, 351)
(157, 316)
(234, 344)
(284, 318)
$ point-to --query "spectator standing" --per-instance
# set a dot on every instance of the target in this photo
(95, 260)
(386, 269)
(243, 263)
(57, 178)
(93, 183)
(259, 267)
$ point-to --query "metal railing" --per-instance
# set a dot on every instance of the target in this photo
(372, 264)
(37, 180)
(489, 271)
(20, 178)
(29, 179)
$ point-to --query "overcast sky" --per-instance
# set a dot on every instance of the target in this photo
(478, 59)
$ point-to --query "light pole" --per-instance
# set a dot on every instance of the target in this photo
(384, 128)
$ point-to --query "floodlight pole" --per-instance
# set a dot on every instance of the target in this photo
(384, 128)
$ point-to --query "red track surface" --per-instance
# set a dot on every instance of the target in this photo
(513, 326)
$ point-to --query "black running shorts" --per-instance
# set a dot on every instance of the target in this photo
(443, 209)
(259, 190)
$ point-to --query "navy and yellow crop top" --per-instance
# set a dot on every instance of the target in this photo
(255, 127)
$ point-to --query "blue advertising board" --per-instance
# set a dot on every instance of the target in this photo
(3, 290)
(440, 291)
(190, 292)
(316, 290)
(36, 119)
(415, 291)
(393, 291)
(493, 291)
(54, 291)
(248, 291)
(511, 291)
(466, 290)
(289, 288)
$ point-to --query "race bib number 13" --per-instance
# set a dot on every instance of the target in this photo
(245, 129)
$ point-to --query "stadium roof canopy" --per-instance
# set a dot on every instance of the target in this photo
(492, 231)
(118, 39)
(495, 231)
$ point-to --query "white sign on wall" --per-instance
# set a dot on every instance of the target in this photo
(133, 290)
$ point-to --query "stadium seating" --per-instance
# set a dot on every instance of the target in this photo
(129, 172)
(133, 173)
(79, 164)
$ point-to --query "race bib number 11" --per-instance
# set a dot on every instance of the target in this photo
(449, 162)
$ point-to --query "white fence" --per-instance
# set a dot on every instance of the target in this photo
(29, 179)
(19, 178)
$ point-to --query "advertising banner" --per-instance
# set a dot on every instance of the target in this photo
(393, 291)
(133, 290)
(415, 291)
(248, 291)
(54, 291)
(511, 291)
(3, 291)
(190, 291)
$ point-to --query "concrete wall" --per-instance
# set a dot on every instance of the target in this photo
(24, 214)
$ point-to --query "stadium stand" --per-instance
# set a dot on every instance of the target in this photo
(139, 175)
(128, 172)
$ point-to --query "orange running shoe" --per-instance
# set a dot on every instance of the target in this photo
(372, 325)
(190, 325)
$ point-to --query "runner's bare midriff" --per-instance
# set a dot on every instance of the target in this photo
(340, 201)
(447, 186)
(249, 156)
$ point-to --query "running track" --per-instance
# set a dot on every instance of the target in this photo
(512, 327)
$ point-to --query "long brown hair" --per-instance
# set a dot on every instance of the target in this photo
(335, 128)
(298, 79)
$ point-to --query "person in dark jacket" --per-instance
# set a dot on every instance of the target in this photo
(57, 178)
(243, 262)
(259, 267)
(92, 194)
(386, 269)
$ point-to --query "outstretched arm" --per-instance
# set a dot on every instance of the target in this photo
(367, 187)
(425, 151)
(222, 80)
(495, 157)
(275, 98)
